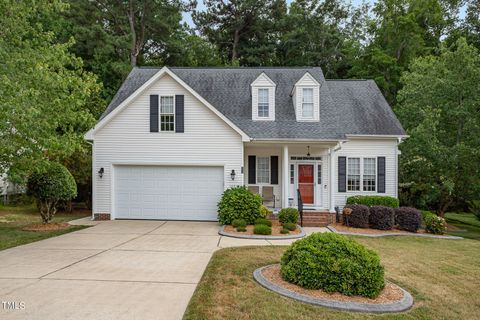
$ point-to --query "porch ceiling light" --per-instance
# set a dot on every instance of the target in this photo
(308, 151)
(232, 174)
(100, 172)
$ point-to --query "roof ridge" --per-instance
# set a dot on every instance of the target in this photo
(348, 80)
(227, 67)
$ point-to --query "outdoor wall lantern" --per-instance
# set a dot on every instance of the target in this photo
(232, 174)
(308, 151)
(100, 172)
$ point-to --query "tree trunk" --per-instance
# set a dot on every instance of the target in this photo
(133, 34)
(236, 40)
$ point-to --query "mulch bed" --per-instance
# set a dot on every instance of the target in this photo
(343, 228)
(276, 227)
(391, 292)
(46, 227)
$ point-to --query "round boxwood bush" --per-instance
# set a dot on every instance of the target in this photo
(288, 215)
(263, 221)
(239, 203)
(262, 229)
(50, 184)
(284, 231)
(239, 223)
(358, 218)
(382, 218)
(241, 229)
(290, 226)
(408, 218)
(264, 211)
(333, 263)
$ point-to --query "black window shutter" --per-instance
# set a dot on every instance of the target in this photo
(381, 174)
(179, 113)
(342, 174)
(252, 167)
(274, 170)
(153, 113)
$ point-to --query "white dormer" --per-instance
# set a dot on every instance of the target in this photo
(306, 98)
(263, 98)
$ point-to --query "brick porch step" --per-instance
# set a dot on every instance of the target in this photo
(314, 218)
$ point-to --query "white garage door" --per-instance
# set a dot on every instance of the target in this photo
(173, 192)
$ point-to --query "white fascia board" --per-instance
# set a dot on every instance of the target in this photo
(375, 136)
(147, 84)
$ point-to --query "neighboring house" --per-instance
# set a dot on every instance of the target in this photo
(173, 139)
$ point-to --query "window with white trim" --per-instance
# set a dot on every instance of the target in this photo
(167, 113)
(263, 169)
(369, 174)
(307, 103)
(353, 174)
(263, 103)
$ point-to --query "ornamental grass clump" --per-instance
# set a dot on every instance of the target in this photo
(262, 229)
(288, 215)
(333, 263)
(263, 221)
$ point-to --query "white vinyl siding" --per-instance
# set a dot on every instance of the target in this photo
(126, 140)
(263, 170)
(167, 113)
(368, 148)
(307, 103)
(263, 103)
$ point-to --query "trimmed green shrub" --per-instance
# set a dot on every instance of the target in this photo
(408, 218)
(264, 211)
(474, 207)
(241, 229)
(371, 201)
(239, 223)
(50, 185)
(288, 215)
(262, 229)
(284, 231)
(381, 217)
(358, 218)
(333, 263)
(263, 221)
(290, 226)
(239, 203)
(434, 224)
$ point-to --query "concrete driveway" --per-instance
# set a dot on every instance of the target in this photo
(113, 270)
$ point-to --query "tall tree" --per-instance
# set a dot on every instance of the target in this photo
(112, 36)
(401, 31)
(439, 106)
(46, 103)
(245, 31)
(314, 35)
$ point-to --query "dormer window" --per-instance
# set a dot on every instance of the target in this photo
(306, 98)
(263, 98)
(263, 104)
(307, 103)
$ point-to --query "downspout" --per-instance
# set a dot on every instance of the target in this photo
(93, 179)
(397, 153)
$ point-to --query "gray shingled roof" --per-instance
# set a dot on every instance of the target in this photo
(346, 106)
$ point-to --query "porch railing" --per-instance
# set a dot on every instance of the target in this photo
(300, 206)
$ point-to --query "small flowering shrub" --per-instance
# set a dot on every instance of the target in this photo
(434, 224)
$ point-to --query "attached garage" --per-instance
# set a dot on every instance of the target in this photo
(167, 192)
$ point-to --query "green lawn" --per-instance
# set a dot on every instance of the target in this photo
(13, 219)
(443, 276)
(464, 221)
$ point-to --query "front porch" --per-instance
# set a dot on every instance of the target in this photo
(283, 168)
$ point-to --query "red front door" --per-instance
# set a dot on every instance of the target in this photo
(306, 183)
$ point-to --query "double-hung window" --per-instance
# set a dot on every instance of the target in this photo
(167, 113)
(307, 103)
(361, 174)
(353, 174)
(369, 174)
(263, 103)
(263, 169)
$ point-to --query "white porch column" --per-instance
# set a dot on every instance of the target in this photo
(285, 176)
(331, 188)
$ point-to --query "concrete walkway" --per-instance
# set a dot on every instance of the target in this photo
(113, 270)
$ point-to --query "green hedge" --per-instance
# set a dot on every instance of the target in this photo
(371, 201)
(333, 263)
(239, 203)
(288, 215)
